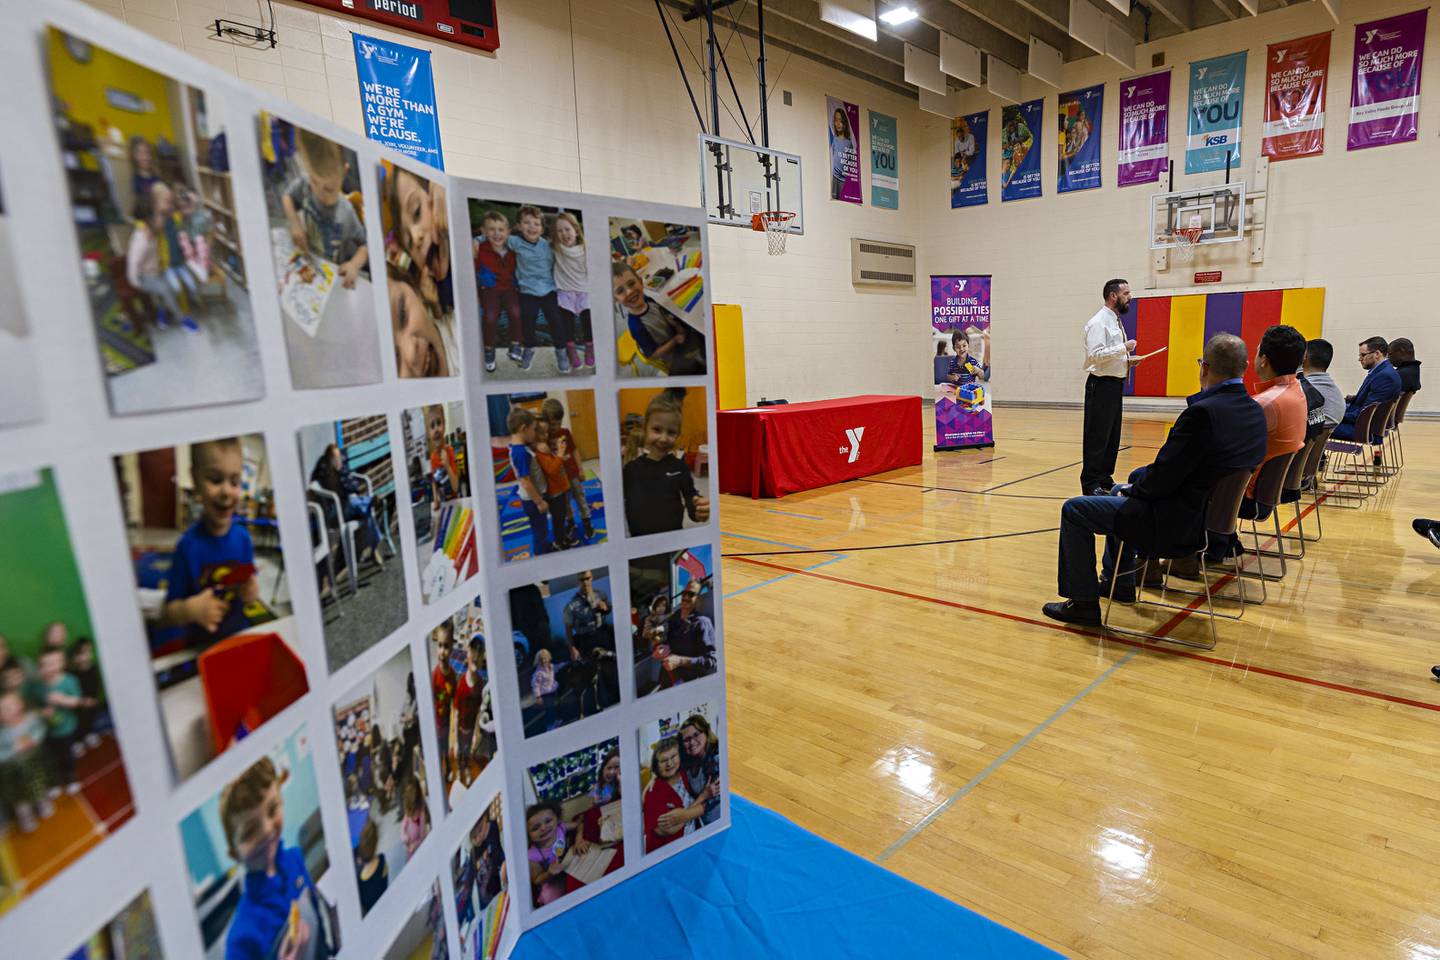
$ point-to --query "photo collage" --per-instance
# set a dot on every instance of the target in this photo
(256, 443)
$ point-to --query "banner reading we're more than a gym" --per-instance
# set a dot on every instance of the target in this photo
(960, 322)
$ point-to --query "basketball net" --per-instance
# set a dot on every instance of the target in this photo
(1186, 238)
(776, 224)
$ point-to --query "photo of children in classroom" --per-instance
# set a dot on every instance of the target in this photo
(130, 935)
(211, 586)
(664, 443)
(424, 936)
(679, 775)
(350, 504)
(440, 498)
(672, 618)
(660, 298)
(322, 256)
(482, 886)
(573, 821)
(259, 870)
(19, 386)
(462, 697)
(565, 649)
(546, 450)
(534, 285)
(63, 787)
(377, 733)
(155, 216)
(416, 224)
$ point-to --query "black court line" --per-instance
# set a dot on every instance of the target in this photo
(992, 460)
(973, 493)
(1042, 473)
(894, 546)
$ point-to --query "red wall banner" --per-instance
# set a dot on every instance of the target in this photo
(1295, 98)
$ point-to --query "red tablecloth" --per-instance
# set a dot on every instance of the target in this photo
(772, 451)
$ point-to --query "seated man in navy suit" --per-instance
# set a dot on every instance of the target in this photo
(1222, 429)
(1381, 384)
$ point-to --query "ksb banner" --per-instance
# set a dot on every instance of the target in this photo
(844, 151)
(1385, 81)
(397, 98)
(968, 187)
(1020, 149)
(884, 162)
(1144, 128)
(960, 317)
(1079, 156)
(1217, 91)
(1295, 98)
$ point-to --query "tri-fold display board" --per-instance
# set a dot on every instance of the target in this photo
(360, 570)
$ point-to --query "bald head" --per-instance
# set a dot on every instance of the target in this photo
(1225, 358)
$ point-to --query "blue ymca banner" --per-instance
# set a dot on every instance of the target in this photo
(1217, 93)
(1078, 158)
(397, 98)
(968, 187)
(1020, 149)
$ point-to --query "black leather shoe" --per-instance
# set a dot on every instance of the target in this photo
(1101, 492)
(1123, 594)
(1429, 529)
(1435, 672)
(1086, 613)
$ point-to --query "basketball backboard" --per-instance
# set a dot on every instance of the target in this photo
(739, 180)
(1218, 211)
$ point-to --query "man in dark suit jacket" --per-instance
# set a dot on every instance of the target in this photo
(1222, 429)
(1381, 384)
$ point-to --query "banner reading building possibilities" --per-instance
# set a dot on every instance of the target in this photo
(1020, 131)
(960, 318)
(1385, 81)
(968, 187)
(1295, 97)
(1081, 115)
(1217, 93)
(1144, 128)
(397, 98)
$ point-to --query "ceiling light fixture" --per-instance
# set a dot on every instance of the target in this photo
(898, 15)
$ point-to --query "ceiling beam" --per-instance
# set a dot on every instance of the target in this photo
(1021, 24)
(805, 13)
(1178, 12)
(945, 15)
(1229, 9)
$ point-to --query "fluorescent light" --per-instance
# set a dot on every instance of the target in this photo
(898, 15)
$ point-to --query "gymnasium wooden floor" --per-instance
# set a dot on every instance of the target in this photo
(1278, 797)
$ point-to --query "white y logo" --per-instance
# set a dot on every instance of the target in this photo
(1369, 35)
(1280, 55)
(853, 434)
(1200, 73)
(1130, 90)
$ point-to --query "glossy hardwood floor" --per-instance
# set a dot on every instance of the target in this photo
(1277, 797)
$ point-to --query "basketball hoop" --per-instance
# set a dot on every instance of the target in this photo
(1185, 240)
(776, 224)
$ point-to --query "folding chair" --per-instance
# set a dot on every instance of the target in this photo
(1266, 496)
(1310, 480)
(1344, 467)
(1405, 399)
(1290, 493)
(1221, 518)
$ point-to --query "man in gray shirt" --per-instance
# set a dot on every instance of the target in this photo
(1318, 354)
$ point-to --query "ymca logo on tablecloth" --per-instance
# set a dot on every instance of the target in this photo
(853, 434)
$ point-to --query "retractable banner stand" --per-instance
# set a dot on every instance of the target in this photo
(960, 318)
(397, 97)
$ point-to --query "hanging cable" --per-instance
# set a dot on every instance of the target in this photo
(665, 22)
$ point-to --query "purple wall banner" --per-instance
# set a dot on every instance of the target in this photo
(1385, 81)
(1144, 128)
(844, 150)
(960, 318)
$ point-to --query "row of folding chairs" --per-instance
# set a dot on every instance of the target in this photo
(1323, 469)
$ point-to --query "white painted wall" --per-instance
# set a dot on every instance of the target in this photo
(513, 117)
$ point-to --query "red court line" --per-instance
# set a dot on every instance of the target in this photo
(1052, 625)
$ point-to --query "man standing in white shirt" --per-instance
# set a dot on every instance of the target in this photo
(1108, 358)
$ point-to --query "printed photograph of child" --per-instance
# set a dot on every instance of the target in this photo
(423, 937)
(377, 733)
(155, 216)
(416, 224)
(660, 298)
(672, 618)
(482, 886)
(130, 935)
(322, 257)
(63, 787)
(565, 649)
(666, 456)
(258, 862)
(546, 450)
(462, 698)
(350, 504)
(679, 775)
(534, 286)
(211, 587)
(440, 498)
(573, 821)
(19, 384)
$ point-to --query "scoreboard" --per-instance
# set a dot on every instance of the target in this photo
(468, 22)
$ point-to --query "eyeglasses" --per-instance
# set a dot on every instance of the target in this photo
(693, 737)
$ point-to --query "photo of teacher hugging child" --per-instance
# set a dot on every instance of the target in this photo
(680, 783)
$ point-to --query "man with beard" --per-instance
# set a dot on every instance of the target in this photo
(692, 639)
(1108, 358)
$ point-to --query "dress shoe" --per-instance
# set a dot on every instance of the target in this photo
(1186, 568)
(1084, 612)
(1154, 575)
(1435, 672)
(1429, 529)
(1123, 594)
(1100, 492)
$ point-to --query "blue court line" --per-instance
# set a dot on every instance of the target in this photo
(999, 761)
(802, 516)
(786, 576)
(773, 543)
